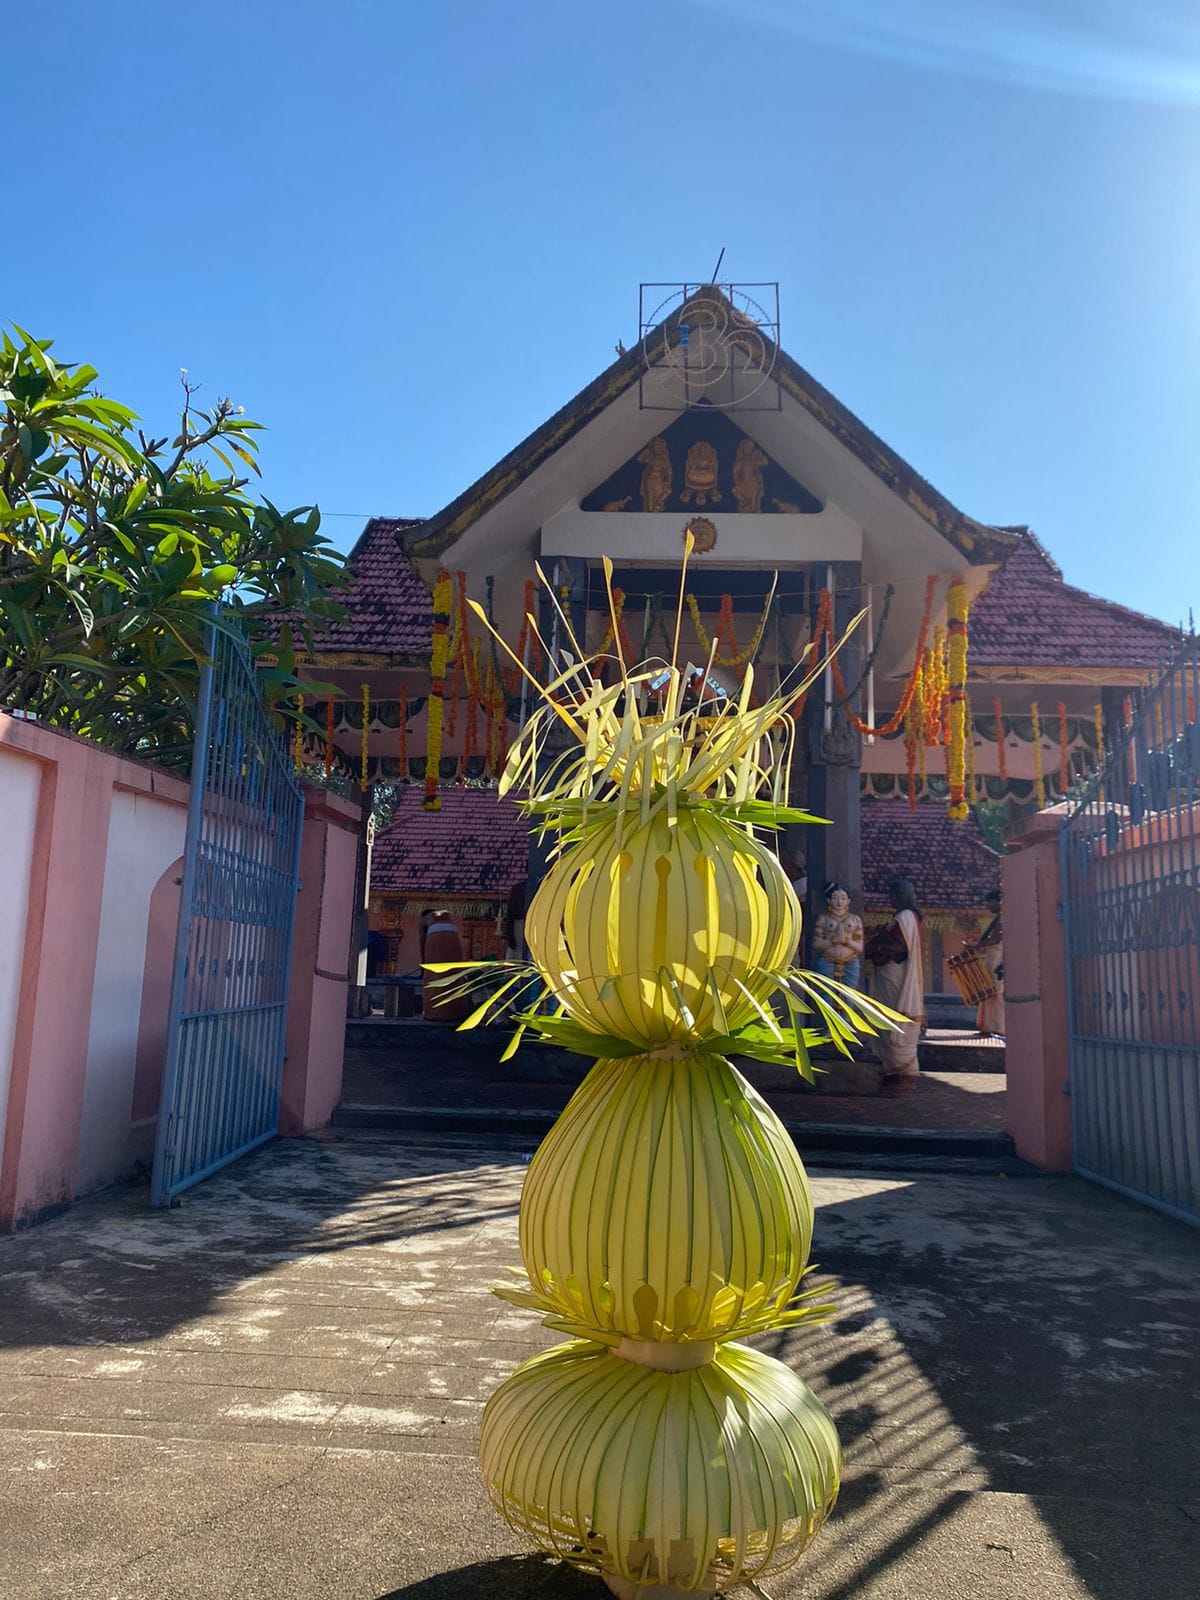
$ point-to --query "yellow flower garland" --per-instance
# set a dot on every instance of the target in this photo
(1039, 780)
(742, 656)
(956, 691)
(1098, 724)
(443, 593)
(298, 737)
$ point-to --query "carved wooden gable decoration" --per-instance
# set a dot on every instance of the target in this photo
(702, 462)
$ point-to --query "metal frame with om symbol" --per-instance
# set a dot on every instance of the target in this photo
(710, 343)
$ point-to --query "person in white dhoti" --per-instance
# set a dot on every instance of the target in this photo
(898, 979)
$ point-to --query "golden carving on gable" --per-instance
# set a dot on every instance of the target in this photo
(701, 460)
(700, 475)
(704, 534)
(748, 467)
(656, 475)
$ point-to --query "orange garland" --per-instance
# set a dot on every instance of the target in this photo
(328, 736)
(1001, 748)
(955, 725)
(1064, 749)
(824, 628)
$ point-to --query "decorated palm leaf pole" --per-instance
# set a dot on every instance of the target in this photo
(667, 1214)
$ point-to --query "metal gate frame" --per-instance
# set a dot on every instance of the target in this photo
(1131, 913)
(237, 911)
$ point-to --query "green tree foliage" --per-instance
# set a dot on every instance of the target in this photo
(113, 545)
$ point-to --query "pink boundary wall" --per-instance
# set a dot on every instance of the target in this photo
(64, 861)
(1035, 996)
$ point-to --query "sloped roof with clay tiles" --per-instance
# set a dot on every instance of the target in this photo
(476, 846)
(388, 608)
(949, 864)
(1028, 617)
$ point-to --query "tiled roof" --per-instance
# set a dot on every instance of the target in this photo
(477, 845)
(1027, 616)
(949, 864)
(388, 608)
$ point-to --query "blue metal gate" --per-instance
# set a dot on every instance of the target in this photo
(1131, 906)
(225, 1042)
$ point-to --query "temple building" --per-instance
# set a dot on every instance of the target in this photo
(802, 521)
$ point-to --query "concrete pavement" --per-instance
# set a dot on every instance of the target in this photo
(274, 1390)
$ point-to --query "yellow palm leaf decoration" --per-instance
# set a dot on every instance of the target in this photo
(667, 1212)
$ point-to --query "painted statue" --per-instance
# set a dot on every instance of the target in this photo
(747, 476)
(700, 475)
(838, 938)
(656, 475)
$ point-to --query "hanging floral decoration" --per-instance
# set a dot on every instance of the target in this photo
(1039, 779)
(956, 699)
(443, 593)
(1098, 728)
(1001, 747)
(402, 736)
(363, 768)
(823, 634)
(1064, 749)
(912, 738)
(621, 634)
(471, 739)
(328, 736)
(726, 633)
(298, 735)
(452, 698)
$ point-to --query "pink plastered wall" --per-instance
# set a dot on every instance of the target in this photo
(88, 910)
(321, 963)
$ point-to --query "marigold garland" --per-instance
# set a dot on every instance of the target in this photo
(956, 696)
(471, 741)
(443, 594)
(363, 766)
(1039, 780)
(1064, 748)
(824, 630)
(911, 740)
(622, 634)
(1098, 726)
(298, 736)
(328, 735)
(726, 633)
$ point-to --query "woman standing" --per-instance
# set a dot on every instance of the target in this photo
(895, 953)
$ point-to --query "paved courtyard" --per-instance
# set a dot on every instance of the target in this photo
(274, 1389)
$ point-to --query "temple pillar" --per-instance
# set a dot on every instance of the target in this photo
(833, 750)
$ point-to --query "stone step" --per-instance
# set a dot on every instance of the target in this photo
(807, 1136)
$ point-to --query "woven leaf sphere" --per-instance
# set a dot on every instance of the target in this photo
(697, 1480)
(663, 931)
(667, 1202)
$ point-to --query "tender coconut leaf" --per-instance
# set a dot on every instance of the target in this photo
(717, 1475)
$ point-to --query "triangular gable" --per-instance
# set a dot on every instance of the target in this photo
(702, 461)
(978, 543)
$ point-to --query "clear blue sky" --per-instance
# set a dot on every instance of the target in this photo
(402, 234)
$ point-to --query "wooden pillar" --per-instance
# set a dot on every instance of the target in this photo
(834, 755)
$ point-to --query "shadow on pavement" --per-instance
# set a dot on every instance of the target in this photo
(530, 1577)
